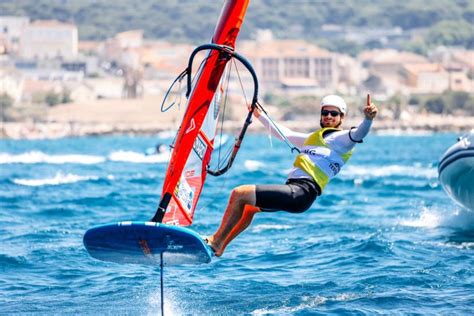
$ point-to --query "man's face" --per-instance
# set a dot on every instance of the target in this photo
(331, 116)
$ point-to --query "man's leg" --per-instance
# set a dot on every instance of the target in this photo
(245, 220)
(295, 197)
(239, 197)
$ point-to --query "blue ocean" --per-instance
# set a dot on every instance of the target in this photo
(384, 238)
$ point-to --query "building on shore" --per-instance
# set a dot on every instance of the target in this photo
(459, 63)
(49, 39)
(384, 65)
(11, 29)
(408, 73)
(292, 66)
(423, 78)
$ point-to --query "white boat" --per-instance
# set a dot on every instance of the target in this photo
(456, 171)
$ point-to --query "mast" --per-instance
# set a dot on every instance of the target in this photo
(190, 136)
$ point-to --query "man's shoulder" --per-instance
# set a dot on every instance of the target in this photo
(330, 130)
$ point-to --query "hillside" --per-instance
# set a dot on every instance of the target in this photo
(448, 22)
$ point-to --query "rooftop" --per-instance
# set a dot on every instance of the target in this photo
(282, 48)
(423, 67)
(52, 23)
(390, 56)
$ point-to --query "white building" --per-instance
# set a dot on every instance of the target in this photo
(351, 74)
(294, 66)
(130, 39)
(11, 28)
(47, 39)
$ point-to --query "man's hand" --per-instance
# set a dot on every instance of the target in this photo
(370, 109)
(256, 111)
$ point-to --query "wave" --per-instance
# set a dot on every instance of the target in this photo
(266, 227)
(173, 306)
(416, 171)
(167, 134)
(37, 157)
(401, 132)
(34, 157)
(308, 303)
(457, 218)
(10, 260)
(58, 179)
(134, 157)
(253, 165)
(362, 171)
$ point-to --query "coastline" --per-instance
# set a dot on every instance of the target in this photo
(144, 117)
(52, 130)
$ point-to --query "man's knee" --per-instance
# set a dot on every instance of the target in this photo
(244, 193)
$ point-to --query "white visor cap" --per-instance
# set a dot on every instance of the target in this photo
(334, 100)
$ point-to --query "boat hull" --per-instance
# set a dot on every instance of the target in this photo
(456, 171)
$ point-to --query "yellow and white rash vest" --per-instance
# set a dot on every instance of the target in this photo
(322, 153)
(318, 160)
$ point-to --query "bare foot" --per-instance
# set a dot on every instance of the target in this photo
(215, 248)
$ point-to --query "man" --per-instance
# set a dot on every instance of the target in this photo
(322, 154)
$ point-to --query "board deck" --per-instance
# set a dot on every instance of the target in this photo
(144, 242)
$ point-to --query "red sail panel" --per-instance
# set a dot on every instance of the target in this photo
(194, 143)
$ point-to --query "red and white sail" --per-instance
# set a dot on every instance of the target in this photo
(193, 147)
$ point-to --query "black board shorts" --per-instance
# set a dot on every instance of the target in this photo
(296, 196)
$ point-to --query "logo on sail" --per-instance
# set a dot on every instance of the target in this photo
(185, 194)
(192, 126)
(199, 147)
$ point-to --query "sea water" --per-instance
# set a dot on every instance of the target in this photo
(383, 238)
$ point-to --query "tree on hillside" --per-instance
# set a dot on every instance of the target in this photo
(452, 33)
(436, 105)
(460, 99)
(51, 98)
(194, 20)
(374, 83)
(396, 105)
(6, 101)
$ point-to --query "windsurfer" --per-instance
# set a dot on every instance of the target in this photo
(322, 154)
(158, 149)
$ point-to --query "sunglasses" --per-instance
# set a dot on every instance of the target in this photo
(333, 113)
